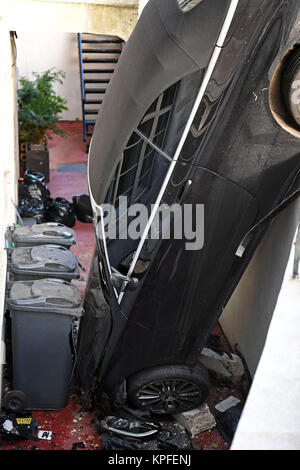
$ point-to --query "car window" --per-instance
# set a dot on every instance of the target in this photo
(135, 172)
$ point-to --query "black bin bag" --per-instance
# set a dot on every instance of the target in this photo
(34, 196)
(62, 211)
(83, 208)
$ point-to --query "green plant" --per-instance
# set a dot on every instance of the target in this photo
(39, 106)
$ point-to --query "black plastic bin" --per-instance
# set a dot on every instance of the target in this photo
(42, 313)
(41, 234)
(43, 261)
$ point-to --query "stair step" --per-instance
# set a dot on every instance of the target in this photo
(98, 70)
(92, 101)
(101, 41)
(101, 51)
(99, 61)
(104, 54)
(91, 111)
(97, 80)
(94, 90)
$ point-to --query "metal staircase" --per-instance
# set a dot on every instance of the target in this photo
(98, 56)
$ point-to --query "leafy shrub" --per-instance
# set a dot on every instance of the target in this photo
(39, 106)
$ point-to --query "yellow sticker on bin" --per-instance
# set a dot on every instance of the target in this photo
(24, 420)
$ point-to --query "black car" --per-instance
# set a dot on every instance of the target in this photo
(202, 112)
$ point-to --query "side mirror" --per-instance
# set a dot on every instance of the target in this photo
(120, 281)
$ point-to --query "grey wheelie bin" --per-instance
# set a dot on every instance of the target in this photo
(41, 234)
(42, 261)
(43, 313)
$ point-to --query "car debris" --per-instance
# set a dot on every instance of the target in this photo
(197, 420)
(229, 402)
(128, 426)
(227, 422)
(47, 435)
(229, 368)
(17, 427)
(110, 442)
(166, 434)
(78, 445)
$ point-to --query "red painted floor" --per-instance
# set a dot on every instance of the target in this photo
(73, 425)
(64, 151)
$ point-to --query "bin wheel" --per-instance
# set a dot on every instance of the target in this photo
(169, 389)
(14, 401)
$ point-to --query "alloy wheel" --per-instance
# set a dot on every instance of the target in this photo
(167, 396)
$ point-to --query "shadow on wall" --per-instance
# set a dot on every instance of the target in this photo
(247, 316)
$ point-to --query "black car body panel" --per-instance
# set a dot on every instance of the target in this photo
(164, 47)
(239, 162)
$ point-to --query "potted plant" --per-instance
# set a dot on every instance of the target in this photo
(39, 108)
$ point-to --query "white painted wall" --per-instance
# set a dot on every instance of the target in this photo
(38, 52)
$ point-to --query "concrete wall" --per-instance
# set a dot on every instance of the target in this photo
(8, 160)
(142, 4)
(115, 17)
(271, 416)
(8, 128)
(248, 314)
(37, 53)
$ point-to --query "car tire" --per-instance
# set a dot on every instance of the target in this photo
(290, 90)
(169, 389)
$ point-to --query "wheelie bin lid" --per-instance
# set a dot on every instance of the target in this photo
(45, 295)
(43, 259)
(40, 234)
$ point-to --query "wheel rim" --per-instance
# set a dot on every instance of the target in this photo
(167, 396)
